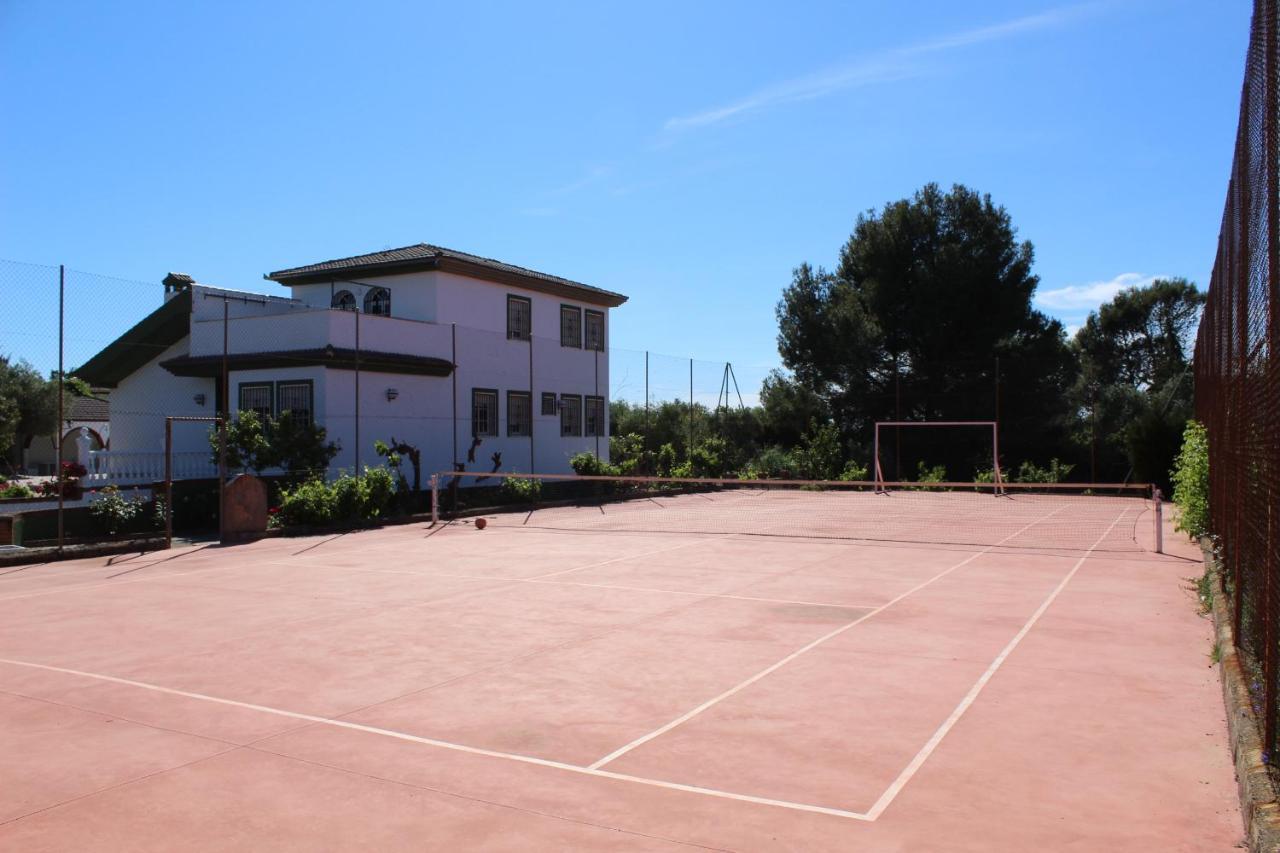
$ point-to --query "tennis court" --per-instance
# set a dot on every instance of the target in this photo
(740, 670)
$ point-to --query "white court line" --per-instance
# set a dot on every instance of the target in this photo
(689, 715)
(910, 770)
(456, 747)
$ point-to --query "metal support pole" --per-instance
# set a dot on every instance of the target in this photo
(168, 483)
(62, 282)
(1159, 501)
(435, 499)
(453, 332)
(222, 427)
(646, 400)
(356, 472)
(690, 454)
(532, 456)
(600, 413)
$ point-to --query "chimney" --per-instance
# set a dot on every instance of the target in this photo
(176, 282)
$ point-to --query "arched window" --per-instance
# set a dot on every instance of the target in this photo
(378, 301)
(343, 300)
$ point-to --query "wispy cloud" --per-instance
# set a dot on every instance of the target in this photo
(883, 67)
(1075, 298)
(593, 175)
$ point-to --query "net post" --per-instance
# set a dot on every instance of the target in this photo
(1159, 500)
(995, 458)
(435, 499)
(876, 476)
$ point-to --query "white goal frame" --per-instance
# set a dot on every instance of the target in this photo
(997, 477)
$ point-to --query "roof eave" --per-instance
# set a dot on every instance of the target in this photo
(564, 289)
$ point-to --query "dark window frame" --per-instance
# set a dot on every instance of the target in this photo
(336, 301)
(517, 334)
(574, 340)
(587, 406)
(551, 410)
(574, 430)
(497, 401)
(511, 422)
(258, 384)
(311, 396)
(587, 316)
(372, 293)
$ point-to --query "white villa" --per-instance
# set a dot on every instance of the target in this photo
(476, 362)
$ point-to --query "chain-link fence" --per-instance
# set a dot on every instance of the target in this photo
(1236, 380)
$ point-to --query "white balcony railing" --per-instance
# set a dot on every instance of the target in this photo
(126, 467)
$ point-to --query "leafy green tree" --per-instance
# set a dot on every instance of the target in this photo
(818, 456)
(1142, 338)
(1134, 392)
(927, 295)
(29, 405)
(300, 446)
(246, 443)
(788, 406)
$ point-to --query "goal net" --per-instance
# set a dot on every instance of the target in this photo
(976, 443)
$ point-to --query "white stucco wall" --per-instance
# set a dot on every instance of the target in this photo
(142, 400)
(423, 413)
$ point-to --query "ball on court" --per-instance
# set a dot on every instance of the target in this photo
(481, 524)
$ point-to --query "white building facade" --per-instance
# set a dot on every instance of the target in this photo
(481, 365)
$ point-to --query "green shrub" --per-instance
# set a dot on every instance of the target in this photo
(710, 457)
(380, 493)
(312, 503)
(16, 490)
(1030, 472)
(350, 495)
(588, 464)
(818, 456)
(853, 472)
(521, 490)
(666, 460)
(114, 511)
(772, 463)
(628, 454)
(1191, 480)
(934, 474)
(365, 497)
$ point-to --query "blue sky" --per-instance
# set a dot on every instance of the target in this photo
(686, 154)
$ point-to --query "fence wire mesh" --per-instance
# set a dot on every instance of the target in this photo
(1237, 387)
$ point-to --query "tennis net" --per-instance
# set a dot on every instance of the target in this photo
(1101, 517)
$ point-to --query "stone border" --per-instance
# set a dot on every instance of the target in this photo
(49, 554)
(1258, 804)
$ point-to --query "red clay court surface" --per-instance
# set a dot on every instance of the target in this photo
(527, 688)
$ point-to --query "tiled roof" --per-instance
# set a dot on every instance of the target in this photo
(89, 409)
(425, 255)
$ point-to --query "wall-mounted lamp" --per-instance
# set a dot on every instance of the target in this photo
(199, 398)
(392, 394)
